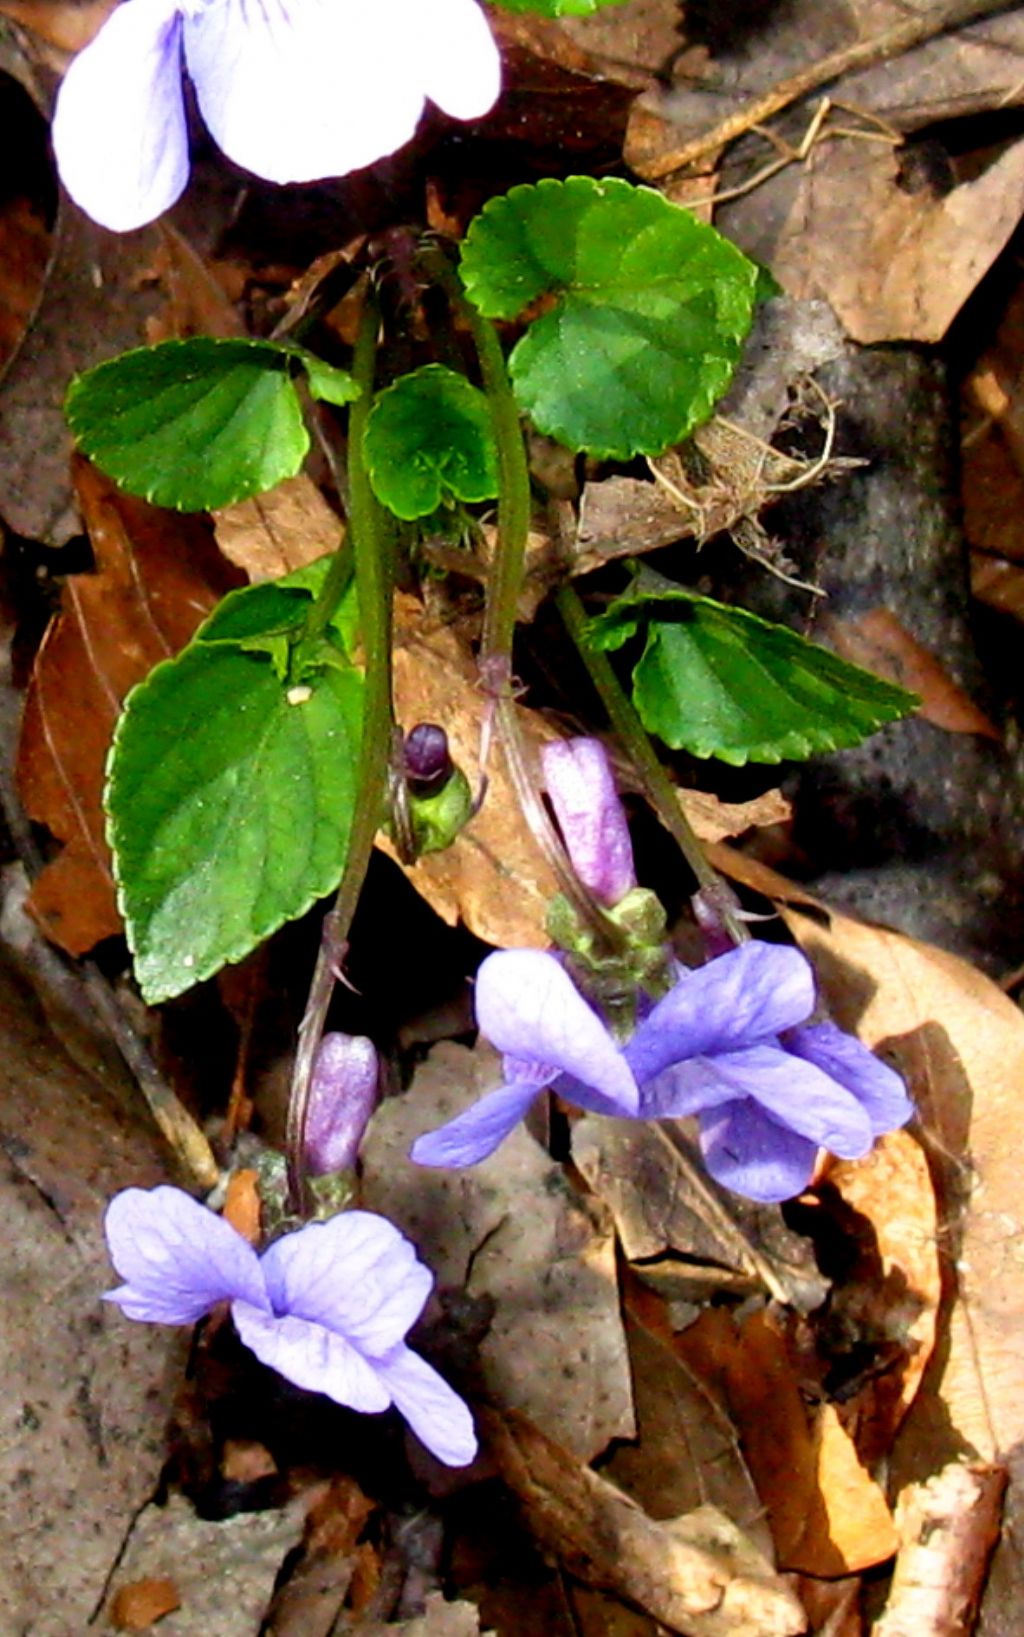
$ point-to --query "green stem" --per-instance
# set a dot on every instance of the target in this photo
(657, 787)
(371, 534)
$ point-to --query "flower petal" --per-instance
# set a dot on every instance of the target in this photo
(877, 1087)
(458, 61)
(355, 1275)
(477, 1131)
(685, 1088)
(798, 1095)
(119, 131)
(733, 1001)
(746, 1151)
(529, 1007)
(178, 1259)
(434, 1411)
(590, 815)
(312, 1357)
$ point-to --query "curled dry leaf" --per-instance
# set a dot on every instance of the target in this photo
(698, 1574)
(512, 1233)
(158, 575)
(881, 642)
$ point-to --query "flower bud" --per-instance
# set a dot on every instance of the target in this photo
(590, 816)
(426, 759)
(341, 1099)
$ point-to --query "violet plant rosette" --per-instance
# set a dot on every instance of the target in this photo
(292, 90)
(328, 1306)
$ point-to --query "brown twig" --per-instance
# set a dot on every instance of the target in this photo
(925, 25)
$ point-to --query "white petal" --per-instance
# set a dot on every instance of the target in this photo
(434, 1411)
(312, 1357)
(459, 65)
(295, 90)
(119, 125)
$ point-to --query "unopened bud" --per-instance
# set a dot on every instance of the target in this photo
(428, 764)
(591, 817)
(342, 1097)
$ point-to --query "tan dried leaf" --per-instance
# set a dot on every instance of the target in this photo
(880, 642)
(284, 529)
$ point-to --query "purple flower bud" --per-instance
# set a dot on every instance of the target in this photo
(341, 1100)
(590, 816)
(426, 759)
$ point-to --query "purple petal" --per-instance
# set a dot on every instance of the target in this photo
(119, 130)
(433, 1410)
(529, 1007)
(686, 1088)
(590, 815)
(355, 1275)
(341, 1099)
(478, 1131)
(734, 1001)
(312, 1357)
(797, 1095)
(746, 1151)
(177, 1258)
(877, 1087)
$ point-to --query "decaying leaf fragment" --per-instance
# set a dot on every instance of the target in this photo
(948, 1526)
(697, 1574)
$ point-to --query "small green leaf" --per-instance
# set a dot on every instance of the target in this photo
(192, 424)
(232, 782)
(717, 681)
(558, 8)
(327, 382)
(651, 309)
(428, 440)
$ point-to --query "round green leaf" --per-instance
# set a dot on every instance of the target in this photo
(651, 309)
(192, 424)
(428, 439)
(230, 797)
(718, 681)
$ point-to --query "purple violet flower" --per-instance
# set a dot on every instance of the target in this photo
(328, 1306)
(729, 1043)
(342, 1095)
(581, 786)
(292, 90)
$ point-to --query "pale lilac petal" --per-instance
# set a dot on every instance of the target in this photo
(356, 1275)
(341, 1099)
(686, 1088)
(798, 1095)
(877, 1087)
(312, 1357)
(478, 1131)
(177, 1258)
(119, 130)
(295, 90)
(582, 789)
(528, 1007)
(455, 55)
(746, 1151)
(736, 1000)
(434, 1411)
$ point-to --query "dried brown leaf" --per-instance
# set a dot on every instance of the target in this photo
(948, 1527)
(697, 1574)
(273, 533)
(141, 1603)
(158, 574)
(880, 641)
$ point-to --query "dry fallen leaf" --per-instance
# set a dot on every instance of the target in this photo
(948, 1527)
(158, 574)
(881, 643)
(697, 1574)
(141, 1603)
(512, 1232)
(273, 533)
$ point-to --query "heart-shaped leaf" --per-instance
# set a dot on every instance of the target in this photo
(428, 440)
(650, 310)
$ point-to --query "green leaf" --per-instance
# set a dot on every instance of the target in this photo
(717, 681)
(558, 8)
(327, 382)
(428, 440)
(231, 784)
(192, 424)
(650, 312)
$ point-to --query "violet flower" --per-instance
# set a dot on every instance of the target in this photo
(342, 1096)
(292, 90)
(729, 1043)
(328, 1307)
(581, 786)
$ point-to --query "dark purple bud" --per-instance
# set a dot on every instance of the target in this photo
(426, 758)
(341, 1099)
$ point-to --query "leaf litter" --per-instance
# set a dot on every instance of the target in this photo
(685, 1399)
